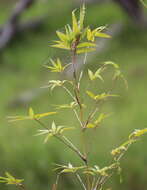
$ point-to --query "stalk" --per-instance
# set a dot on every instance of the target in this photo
(70, 145)
(76, 89)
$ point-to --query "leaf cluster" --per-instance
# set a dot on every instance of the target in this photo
(77, 37)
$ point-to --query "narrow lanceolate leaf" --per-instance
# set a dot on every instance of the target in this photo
(95, 75)
(102, 35)
(61, 46)
(56, 83)
(31, 116)
(111, 63)
(67, 106)
(91, 75)
(56, 66)
(137, 133)
(10, 180)
(75, 26)
(86, 45)
(100, 118)
(31, 113)
(82, 15)
(98, 121)
(85, 50)
(90, 35)
(38, 116)
(69, 168)
(61, 36)
(17, 118)
(90, 94)
(100, 96)
(53, 131)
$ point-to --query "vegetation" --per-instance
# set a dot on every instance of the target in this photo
(72, 41)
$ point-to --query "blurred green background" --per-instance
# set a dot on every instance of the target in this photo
(22, 73)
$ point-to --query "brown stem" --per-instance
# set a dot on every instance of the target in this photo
(69, 144)
(41, 123)
(76, 90)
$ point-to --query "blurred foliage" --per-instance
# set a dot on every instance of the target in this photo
(24, 155)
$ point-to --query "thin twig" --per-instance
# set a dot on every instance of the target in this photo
(81, 182)
(66, 89)
(41, 123)
(91, 115)
(76, 114)
(76, 90)
(98, 183)
(81, 74)
(76, 149)
(70, 145)
(93, 182)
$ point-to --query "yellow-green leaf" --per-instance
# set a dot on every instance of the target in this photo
(90, 125)
(112, 63)
(38, 116)
(61, 36)
(101, 117)
(102, 35)
(75, 23)
(91, 75)
(82, 15)
(90, 94)
(61, 46)
(86, 44)
(85, 50)
(31, 113)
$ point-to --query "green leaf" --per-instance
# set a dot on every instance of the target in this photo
(90, 125)
(112, 63)
(95, 75)
(10, 180)
(61, 46)
(86, 44)
(67, 106)
(90, 94)
(56, 83)
(38, 116)
(61, 36)
(137, 133)
(100, 96)
(82, 15)
(102, 35)
(90, 35)
(53, 131)
(85, 50)
(91, 75)
(98, 121)
(101, 117)
(75, 23)
(31, 113)
(69, 168)
(56, 66)
(31, 116)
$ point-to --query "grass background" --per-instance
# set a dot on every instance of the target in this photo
(21, 69)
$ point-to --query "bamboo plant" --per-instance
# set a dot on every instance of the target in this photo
(79, 39)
